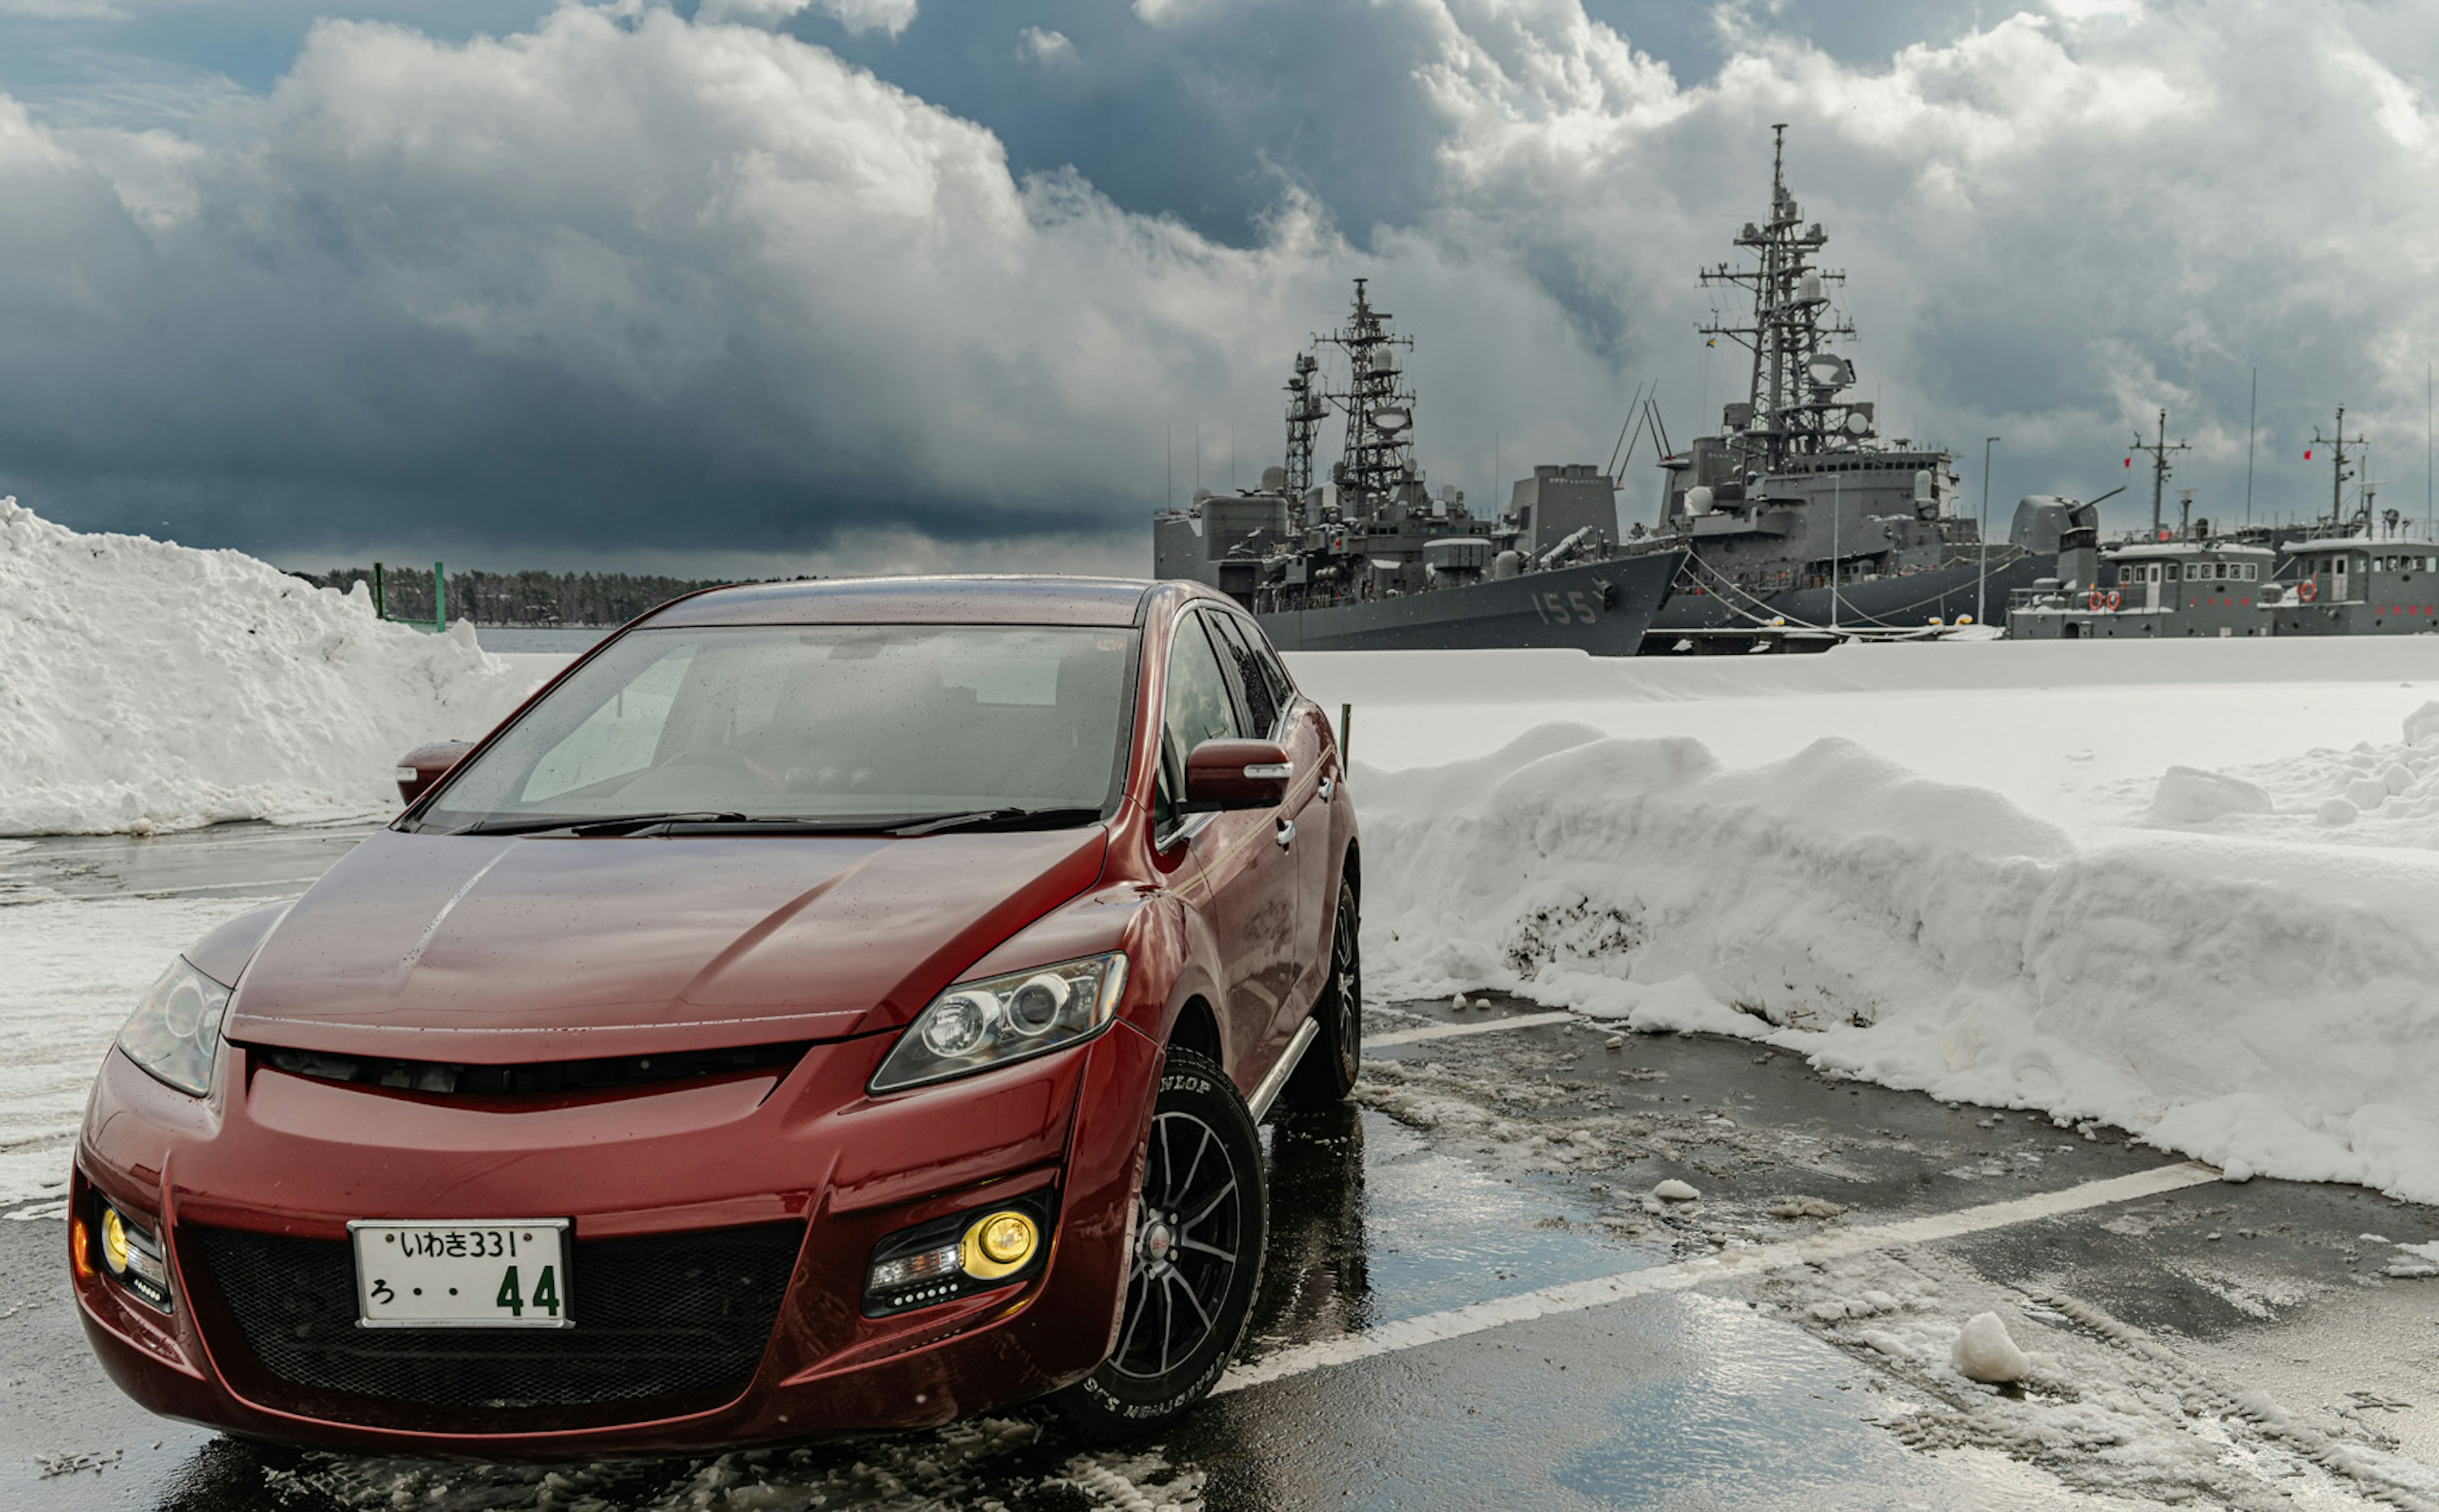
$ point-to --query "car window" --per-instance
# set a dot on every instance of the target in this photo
(1256, 695)
(1197, 707)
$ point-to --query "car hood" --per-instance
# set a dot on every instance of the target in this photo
(493, 949)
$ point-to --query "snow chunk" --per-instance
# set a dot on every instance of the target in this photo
(1673, 1190)
(1986, 1354)
(2416, 1261)
(2188, 795)
(2422, 725)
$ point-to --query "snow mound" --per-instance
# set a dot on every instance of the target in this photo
(2268, 1007)
(151, 686)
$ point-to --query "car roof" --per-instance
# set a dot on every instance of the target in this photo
(930, 600)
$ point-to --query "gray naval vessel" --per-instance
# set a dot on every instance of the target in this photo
(2352, 571)
(1803, 524)
(1371, 559)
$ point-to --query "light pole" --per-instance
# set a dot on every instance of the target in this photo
(1982, 578)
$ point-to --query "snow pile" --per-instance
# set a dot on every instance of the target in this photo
(151, 686)
(2267, 1007)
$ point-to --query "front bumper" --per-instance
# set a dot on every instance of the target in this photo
(806, 1163)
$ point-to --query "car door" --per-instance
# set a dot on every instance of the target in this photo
(1273, 711)
(1235, 872)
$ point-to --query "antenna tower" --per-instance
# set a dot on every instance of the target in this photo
(2158, 448)
(1306, 407)
(2340, 472)
(1379, 409)
(1793, 406)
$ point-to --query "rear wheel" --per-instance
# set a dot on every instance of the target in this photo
(1200, 1227)
(1333, 1060)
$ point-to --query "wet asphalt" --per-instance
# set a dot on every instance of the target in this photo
(1476, 1168)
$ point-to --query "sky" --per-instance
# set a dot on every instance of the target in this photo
(758, 286)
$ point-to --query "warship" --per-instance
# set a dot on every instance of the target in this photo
(1801, 524)
(1371, 559)
(2351, 572)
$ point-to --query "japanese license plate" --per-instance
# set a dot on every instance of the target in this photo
(491, 1274)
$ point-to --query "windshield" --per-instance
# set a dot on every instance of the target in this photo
(831, 725)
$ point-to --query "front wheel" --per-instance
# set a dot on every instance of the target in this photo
(1200, 1227)
(1326, 1074)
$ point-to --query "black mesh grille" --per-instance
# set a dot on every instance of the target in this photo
(665, 1323)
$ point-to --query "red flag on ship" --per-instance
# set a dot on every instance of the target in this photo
(2130, 461)
(2308, 455)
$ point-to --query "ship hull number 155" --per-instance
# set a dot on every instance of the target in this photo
(1565, 609)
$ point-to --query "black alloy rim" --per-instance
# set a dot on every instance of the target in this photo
(1186, 1239)
(1346, 983)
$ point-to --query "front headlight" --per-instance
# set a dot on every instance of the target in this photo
(975, 1025)
(175, 1032)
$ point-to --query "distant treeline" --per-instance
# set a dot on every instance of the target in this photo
(518, 598)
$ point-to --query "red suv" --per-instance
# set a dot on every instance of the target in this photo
(825, 1007)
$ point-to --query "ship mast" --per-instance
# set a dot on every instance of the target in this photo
(1379, 454)
(1793, 406)
(2159, 449)
(1306, 407)
(2337, 472)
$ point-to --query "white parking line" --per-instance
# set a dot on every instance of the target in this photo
(1449, 1031)
(1575, 1296)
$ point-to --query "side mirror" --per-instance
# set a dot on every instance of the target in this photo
(427, 764)
(1236, 774)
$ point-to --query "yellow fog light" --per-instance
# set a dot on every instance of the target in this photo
(999, 1245)
(113, 1241)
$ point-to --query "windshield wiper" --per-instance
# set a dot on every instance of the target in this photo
(622, 824)
(998, 819)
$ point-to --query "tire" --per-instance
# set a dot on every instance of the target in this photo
(1185, 1308)
(1331, 1063)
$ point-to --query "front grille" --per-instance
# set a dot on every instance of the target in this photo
(665, 1323)
(451, 1079)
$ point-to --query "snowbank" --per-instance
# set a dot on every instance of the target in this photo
(2261, 1003)
(144, 686)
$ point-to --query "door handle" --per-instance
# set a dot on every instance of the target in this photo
(1287, 833)
(1329, 786)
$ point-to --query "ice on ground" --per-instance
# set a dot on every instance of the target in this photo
(1986, 1353)
(151, 686)
(2264, 1005)
(74, 971)
(2109, 1409)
